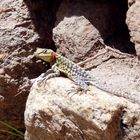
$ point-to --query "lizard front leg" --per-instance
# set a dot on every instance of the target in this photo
(53, 72)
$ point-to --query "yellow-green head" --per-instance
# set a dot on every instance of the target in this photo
(47, 55)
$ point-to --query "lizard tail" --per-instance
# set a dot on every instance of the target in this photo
(133, 96)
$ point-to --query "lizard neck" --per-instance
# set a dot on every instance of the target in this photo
(53, 56)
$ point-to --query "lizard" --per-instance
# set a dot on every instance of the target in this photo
(76, 73)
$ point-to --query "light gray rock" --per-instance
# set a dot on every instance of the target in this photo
(52, 112)
(133, 22)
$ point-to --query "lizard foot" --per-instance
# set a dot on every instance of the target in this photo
(76, 90)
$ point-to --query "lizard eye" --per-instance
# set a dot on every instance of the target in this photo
(45, 51)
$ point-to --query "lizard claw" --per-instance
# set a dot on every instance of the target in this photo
(74, 90)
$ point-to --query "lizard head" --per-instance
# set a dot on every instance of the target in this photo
(47, 55)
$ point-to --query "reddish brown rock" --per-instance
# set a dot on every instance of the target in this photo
(22, 29)
(77, 38)
(16, 38)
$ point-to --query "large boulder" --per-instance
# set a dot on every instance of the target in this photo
(17, 41)
(76, 38)
(53, 112)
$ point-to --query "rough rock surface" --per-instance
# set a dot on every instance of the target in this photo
(24, 25)
(54, 113)
(106, 19)
(27, 24)
(17, 42)
(77, 38)
(133, 22)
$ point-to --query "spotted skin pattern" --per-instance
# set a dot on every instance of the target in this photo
(76, 73)
(73, 71)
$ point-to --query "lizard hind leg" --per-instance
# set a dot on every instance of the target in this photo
(82, 85)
